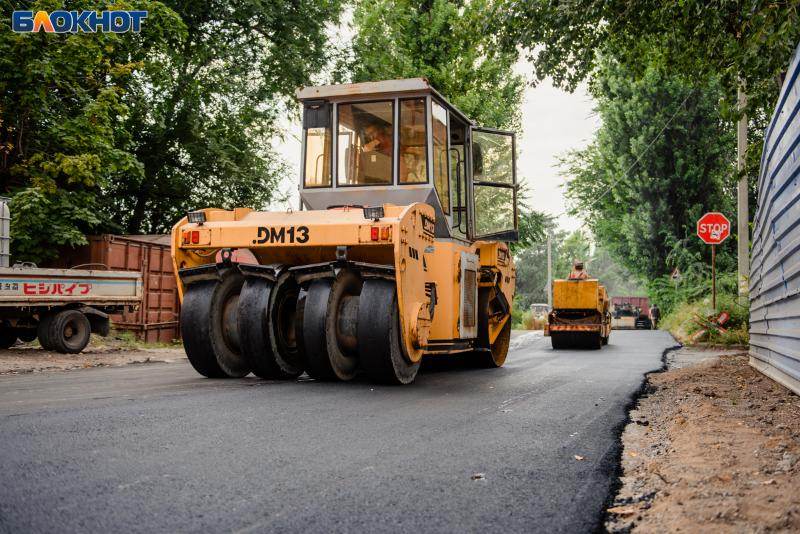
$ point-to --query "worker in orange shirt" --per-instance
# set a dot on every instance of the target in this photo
(578, 273)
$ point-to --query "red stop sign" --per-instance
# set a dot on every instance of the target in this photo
(713, 228)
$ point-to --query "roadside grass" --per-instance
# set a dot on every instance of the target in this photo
(526, 320)
(126, 339)
(119, 340)
(680, 321)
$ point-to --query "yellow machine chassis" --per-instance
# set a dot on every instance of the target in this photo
(342, 238)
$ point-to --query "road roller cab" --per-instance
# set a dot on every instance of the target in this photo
(399, 250)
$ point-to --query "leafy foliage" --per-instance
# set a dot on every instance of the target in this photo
(108, 132)
(693, 38)
(736, 43)
(205, 112)
(61, 102)
(448, 43)
(682, 319)
(641, 189)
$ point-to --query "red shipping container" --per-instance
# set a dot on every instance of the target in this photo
(157, 319)
(643, 303)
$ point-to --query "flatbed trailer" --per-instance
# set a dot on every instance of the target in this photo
(61, 307)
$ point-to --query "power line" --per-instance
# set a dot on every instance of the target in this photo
(639, 158)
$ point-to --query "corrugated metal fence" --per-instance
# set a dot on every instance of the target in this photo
(775, 259)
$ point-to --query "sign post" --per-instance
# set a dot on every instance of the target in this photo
(714, 277)
(713, 228)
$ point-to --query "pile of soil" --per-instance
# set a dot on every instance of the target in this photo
(712, 447)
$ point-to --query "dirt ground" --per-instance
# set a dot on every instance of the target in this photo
(711, 447)
(101, 352)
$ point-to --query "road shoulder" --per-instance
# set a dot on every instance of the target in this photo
(26, 358)
(711, 445)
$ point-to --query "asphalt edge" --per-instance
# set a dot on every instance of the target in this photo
(632, 404)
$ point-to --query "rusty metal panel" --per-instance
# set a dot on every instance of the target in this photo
(643, 303)
(775, 257)
(156, 319)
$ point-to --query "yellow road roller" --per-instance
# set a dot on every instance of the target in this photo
(580, 317)
(398, 251)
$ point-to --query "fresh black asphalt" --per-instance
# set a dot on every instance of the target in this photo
(156, 448)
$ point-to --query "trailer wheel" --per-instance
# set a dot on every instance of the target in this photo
(379, 337)
(43, 331)
(496, 355)
(69, 331)
(323, 338)
(8, 336)
(209, 327)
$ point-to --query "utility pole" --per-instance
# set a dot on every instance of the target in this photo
(742, 217)
(549, 272)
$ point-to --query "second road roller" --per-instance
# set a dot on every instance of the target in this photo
(580, 317)
(399, 250)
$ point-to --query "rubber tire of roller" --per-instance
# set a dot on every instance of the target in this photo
(379, 336)
(557, 340)
(289, 360)
(201, 325)
(78, 340)
(252, 321)
(312, 305)
(315, 338)
(43, 331)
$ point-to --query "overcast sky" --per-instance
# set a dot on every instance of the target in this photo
(553, 122)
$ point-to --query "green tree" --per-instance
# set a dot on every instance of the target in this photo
(694, 38)
(61, 108)
(106, 132)
(619, 281)
(444, 41)
(661, 158)
(531, 264)
(203, 115)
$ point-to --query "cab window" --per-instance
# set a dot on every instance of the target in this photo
(366, 143)
(318, 141)
(413, 142)
(441, 160)
(494, 182)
